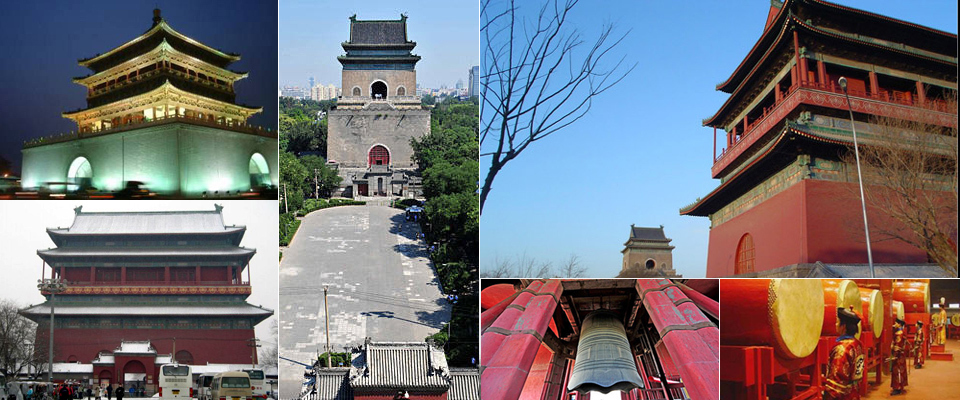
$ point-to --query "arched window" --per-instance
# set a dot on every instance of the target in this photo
(379, 155)
(259, 171)
(745, 255)
(401, 91)
(650, 264)
(184, 357)
(356, 91)
(378, 90)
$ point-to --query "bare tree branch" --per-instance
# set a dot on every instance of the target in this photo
(911, 171)
(536, 79)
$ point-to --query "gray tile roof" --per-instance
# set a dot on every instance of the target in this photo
(378, 32)
(388, 365)
(241, 309)
(641, 233)
(464, 384)
(331, 384)
(147, 222)
(146, 251)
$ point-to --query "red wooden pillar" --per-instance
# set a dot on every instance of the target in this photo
(691, 339)
(166, 275)
(93, 274)
(777, 95)
(874, 86)
(553, 388)
(123, 275)
(248, 274)
(510, 344)
(229, 275)
(197, 275)
(822, 73)
(63, 273)
(921, 93)
(714, 143)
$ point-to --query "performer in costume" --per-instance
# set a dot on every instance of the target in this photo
(845, 370)
(898, 375)
(918, 346)
(942, 327)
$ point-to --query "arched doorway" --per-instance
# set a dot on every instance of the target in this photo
(401, 91)
(650, 263)
(184, 357)
(379, 155)
(378, 90)
(745, 255)
(80, 174)
(105, 377)
(259, 171)
(134, 374)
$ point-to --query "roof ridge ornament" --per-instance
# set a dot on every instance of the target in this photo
(77, 209)
(156, 16)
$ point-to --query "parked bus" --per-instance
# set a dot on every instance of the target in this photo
(257, 383)
(233, 385)
(175, 382)
(203, 386)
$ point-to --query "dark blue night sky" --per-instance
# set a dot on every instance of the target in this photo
(42, 41)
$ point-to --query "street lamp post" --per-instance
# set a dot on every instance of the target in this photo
(856, 152)
(52, 286)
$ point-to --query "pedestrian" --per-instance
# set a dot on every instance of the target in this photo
(30, 392)
(64, 392)
(89, 393)
(109, 391)
(119, 392)
(99, 392)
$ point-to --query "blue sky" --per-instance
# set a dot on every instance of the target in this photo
(641, 154)
(446, 33)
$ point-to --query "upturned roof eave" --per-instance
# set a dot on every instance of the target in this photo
(156, 28)
(165, 85)
(713, 120)
(726, 86)
(697, 208)
(163, 45)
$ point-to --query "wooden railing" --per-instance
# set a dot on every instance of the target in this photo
(158, 283)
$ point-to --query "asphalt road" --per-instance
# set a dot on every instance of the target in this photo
(381, 285)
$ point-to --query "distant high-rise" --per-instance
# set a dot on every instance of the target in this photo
(311, 82)
(459, 84)
(473, 88)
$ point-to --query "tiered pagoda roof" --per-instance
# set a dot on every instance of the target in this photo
(159, 69)
(378, 42)
(775, 108)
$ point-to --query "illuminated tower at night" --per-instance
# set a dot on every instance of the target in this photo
(161, 109)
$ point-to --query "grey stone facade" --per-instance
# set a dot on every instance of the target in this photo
(647, 253)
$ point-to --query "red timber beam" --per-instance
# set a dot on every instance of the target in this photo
(691, 339)
(706, 304)
(510, 344)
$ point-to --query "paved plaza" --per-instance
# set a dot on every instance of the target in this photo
(381, 285)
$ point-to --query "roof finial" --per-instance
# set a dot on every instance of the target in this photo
(77, 210)
(219, 208)
(156, 16)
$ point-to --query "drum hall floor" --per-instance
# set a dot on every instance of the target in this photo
(935, 380)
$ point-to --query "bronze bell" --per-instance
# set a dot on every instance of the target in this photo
(604, 361)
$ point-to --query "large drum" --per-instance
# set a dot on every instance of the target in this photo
(838, 293)
(493, 294)
(955, 320)
(785, 314)
(898, 310)
(914, 295)
(872, 315)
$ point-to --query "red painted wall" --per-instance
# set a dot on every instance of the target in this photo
(811, 221)
(225, 346)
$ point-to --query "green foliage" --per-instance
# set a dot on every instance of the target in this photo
(301, 128)
(461, 346)
(404, 203)
(293, 185)
(288, 227)
(317, 167)
(427, 100)
(337, 359)
(311, 205)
